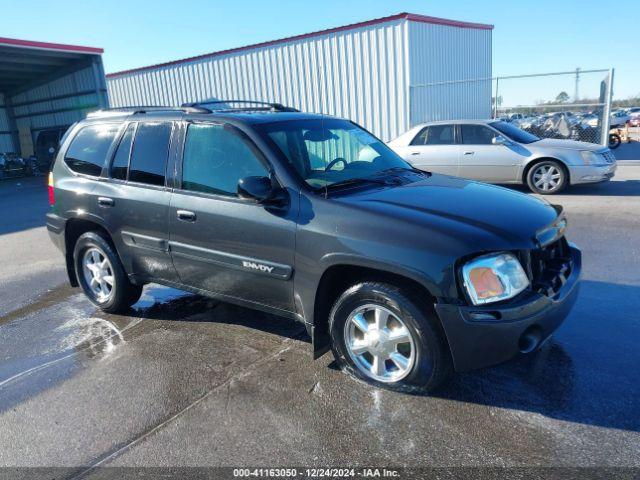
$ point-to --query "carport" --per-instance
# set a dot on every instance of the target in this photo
(45, 88)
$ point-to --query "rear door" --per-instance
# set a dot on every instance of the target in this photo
(434, 149)
(135, 199)
(222, 243)
(480, 159)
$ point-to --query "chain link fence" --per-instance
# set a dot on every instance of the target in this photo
(572, 105)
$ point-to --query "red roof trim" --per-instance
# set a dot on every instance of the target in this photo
(49, 46)
(407, 16)
(443, 21)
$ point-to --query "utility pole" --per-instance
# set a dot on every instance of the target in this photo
(576, 93)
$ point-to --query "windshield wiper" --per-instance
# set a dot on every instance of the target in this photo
(403, 169)
(356, 181)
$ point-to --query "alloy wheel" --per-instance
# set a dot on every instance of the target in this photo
(379, 343)
(547, 178)
(98, 274)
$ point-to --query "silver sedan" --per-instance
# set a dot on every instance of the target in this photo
(498, 152)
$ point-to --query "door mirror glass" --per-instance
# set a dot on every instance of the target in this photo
(256, 188)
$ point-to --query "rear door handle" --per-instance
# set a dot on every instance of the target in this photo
(469, 153)
(186, 216)
(415, 153)
(106, 202)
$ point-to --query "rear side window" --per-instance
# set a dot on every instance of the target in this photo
(435, 135)
(120, 164)
(216, 157)
(149, 153)
(88, 150)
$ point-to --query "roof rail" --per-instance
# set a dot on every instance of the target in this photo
(140, 109)
(261, 106)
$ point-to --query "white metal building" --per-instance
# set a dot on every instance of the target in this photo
(44, 88)
(372, 72)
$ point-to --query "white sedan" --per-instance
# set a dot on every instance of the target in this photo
(499, 152)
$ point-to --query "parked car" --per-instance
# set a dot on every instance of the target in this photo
(12, 165)
(618, 119)
(499, 152)
(634, 120)
(403, 273)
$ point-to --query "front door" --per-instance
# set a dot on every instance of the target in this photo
(481, 160)
(219, 242)
(434, 149)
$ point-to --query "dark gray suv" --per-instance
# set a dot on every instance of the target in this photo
(402, 273)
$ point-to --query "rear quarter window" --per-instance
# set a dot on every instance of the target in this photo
(87, 152)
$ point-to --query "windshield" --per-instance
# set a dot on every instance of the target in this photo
(514, 133)
(330, 151)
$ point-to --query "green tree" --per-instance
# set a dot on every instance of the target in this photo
(562, 97)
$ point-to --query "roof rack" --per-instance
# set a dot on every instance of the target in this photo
(141, 109)
(261, 106)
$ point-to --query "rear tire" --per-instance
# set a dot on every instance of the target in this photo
(547, 177)
(388, 338)
(101, 275)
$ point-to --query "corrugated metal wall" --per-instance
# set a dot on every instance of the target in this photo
(82, 92)
(359, 74)
(439, 53)
(362, 73)
(6, 139)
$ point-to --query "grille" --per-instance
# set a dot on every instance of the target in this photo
(609, 157)
(551, 266)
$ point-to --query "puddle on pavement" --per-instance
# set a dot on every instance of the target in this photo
(49, 341)
(64, 323)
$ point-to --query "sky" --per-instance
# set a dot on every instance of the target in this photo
(529, 37)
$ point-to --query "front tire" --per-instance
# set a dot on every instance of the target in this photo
(101, 274)
(389, 339)
(547, 178)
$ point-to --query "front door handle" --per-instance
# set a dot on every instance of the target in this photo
(469, 152)
(186, 216)
(415, 153)
(106, 202)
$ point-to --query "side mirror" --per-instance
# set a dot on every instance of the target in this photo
(261, 190)
(500, 140)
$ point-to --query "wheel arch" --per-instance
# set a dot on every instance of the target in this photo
(337, 278)
(74, 228)
(535, 161)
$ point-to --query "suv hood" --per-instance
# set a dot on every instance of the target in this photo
(567, 144)
(482, 216)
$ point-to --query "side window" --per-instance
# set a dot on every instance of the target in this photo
(435, 135)
(216, 157)
(149, 153)
(120, 163)
(88, 150)
(477, 135)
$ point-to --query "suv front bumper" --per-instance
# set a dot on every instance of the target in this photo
(480, 336)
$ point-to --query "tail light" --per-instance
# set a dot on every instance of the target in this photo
(52, 198)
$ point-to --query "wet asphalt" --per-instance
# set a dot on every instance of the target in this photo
(187, 381)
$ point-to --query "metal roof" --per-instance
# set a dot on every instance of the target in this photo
(25, 62)
(400, 16)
